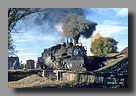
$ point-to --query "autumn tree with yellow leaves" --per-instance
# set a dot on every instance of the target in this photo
(102, 46)
(92, 40)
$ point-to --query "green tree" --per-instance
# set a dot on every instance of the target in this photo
(14, 15)
(103, 46)
(109, 45)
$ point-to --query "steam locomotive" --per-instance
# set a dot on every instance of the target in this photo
(66, 56)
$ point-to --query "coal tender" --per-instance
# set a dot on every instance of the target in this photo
(66, 56)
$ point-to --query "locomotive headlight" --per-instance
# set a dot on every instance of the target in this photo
(79, 44)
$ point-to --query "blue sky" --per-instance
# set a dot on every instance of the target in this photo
(112, 22)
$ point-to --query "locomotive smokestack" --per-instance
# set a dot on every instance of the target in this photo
(76, 40)
(67, 40)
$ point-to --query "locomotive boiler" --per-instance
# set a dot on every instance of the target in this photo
(66, 56)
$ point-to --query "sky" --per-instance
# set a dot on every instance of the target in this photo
(112, 22)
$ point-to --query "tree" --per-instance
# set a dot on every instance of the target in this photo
(103, 46)
(97, 35)
(109, 45)
(92, 40)
(11, 46)
(14, 15)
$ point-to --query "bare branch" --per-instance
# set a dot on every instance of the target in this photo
(14, 15)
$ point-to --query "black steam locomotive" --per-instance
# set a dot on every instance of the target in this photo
(66, 56)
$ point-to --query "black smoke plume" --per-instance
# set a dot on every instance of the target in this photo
(70, 22)
(75, 25)
(51, 15)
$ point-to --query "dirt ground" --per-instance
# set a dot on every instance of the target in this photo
(34, 81)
